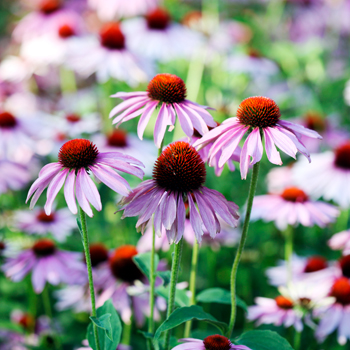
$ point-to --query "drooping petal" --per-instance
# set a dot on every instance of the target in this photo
(69, 192)
(206, 214)
(131, 111)
(126, 104)
(197, 121)
(169, 211)
(82, 200)
(128, 95)
(195, 220)
(184, 119)
(180, 218)
(201, 110)
(119, 156)
(123, 166)
(283, 142)
(145, 117)
(89, 188)
(272, 154)
(161, 124)
(300, 129)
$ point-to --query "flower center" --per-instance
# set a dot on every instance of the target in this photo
(73, 118)
(197, 134)
(44, 247)
(122, 265)
(42, 217)
(27, 321)
(341, 290)
(66, 31)
(78, 153)
(345, 265)
(342, 156)
(294, 194)
(167, 88)
(158, 19)
(254, 53)
(315, 122)
(7, 120)
(305, 302)
(49, 6)
(2, 246)
(315, 263)
(112, 37)
(259, 112)
(179, 168)
(118, 138)
(98, 253)
(216, 342)
(284, 303)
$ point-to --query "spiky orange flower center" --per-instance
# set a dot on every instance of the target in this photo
(294, 194)
(345, 265)
(342, 156)
(44, 247)
(284, 303)
(112, 37)
(118, 138)
(259, 112)
(78, 153)
(122, 265)
(158, 19)
(98, 253)
(73, 118)
(167, 88)
(315, 122)
(217, 342)
(179, 168)
(49, 6)
(341, 290)
(7, 120)
(315, 263)
(42, 217)
(66, 31)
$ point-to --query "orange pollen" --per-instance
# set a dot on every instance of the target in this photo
(259, 112)
(341, 290)
(345, 265)
(217, 342)
(158, 19)
(118, 138)
(44, 247)
(314, 121)
(167, 88)
(98, 253)
(112, 37)
(73, 118)
(315, 263)
(294, 194)
(66, 31)
(7, 120)
(78, 153)
(342, 156)
(42, 217)
(179, 168)
(122, 265)
(49, 6)
(284, 303)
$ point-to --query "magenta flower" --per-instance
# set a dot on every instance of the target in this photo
(47, 263)
(77, 158)
(212, 342)
(169, 93)
(261, 116)
(178, 176)
(291, 207)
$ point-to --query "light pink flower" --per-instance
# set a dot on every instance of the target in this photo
(278, 179)
(293, 207)
(13, 176)
(178, 173)
(341, 241)
(261, 115)
(168, 92)
(47, 264)
(77, 158)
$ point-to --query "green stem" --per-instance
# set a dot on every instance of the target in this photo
(297, 340)
(288, 251)
(193, 276)
(68, 81)
(172, 291)
(89, 269)
(127, 333)
(46, 301)
(253, 183)
(342, 222)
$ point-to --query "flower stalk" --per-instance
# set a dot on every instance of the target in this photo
(288, 251)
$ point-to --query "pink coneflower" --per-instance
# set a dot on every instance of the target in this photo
(341, 241)
(157, 37)
(212, 342)
(60, 222)
(77, 158)
(328, 176)
(261, 115)
(169, 92)
(293, 207)
(178, 173)
(13, 176)
(278, 179)
(108, 56)
(47, 264)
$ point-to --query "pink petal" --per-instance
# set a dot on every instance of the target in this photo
(145, 117)
(184, 120)
(69, 193)
(89, 189)
(133, 110)
(119, 156)
(127, 95)
(169, 212)
(123, 166)
(127, 104)
(272, 154)
(197, 121)
(207, 214)
(82, 200)
(283, 142)
(180, 217)
(195, 220)
(300, 129)
(161, 124)
(201, 110)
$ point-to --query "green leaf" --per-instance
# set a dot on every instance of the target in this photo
(143, 262)
(116, 328)
(263, 340)
(104, 323)
(165, 276)
(188, 313)
(220, 296)
(80, 229)
(181, 298)
(147, 335)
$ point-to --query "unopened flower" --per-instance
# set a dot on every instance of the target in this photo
(261, 116)
(167, 91)
(77, 158)
(178, 176)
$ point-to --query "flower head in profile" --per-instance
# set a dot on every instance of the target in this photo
(178, 176)
(212, 342)
(77, 159)
(168, 92)
(261, 117)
